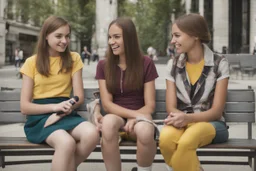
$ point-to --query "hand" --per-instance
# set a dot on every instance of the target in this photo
(129, 126)
(98, 121)
(65, 107)
(178, 120)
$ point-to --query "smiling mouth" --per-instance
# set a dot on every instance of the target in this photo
(115, 48)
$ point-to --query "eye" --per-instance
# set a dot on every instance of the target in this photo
(58, 36)
(117, 37)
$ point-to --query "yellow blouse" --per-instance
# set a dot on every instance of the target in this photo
(56, 84)
(194, 71)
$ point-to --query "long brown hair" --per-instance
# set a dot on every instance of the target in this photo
(194, 25)
(51, 24)
(133, 57)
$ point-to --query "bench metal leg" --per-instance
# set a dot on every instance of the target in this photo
(2, 164)
(254, 164)
(134, 169)
(250, 161)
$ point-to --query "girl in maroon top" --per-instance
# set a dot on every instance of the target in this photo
(127, 88)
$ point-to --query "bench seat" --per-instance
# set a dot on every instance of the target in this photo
(240, 108)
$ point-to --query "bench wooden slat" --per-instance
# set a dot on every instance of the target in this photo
(246, 95)
(229, 117)
(15, 95)
(12, 117)
(9, 95)
(22, 143)
(230, 107)
(14, 106)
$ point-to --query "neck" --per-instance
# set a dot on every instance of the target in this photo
(196, 54)
(54, 53)
(122, 60)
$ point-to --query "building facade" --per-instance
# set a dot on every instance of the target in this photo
(106, 11)
(16, 34)
(232, 23)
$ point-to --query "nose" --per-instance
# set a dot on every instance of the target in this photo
(64, 40)
(173, 40)
(110, 41)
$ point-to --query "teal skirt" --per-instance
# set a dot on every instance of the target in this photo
(34, 126)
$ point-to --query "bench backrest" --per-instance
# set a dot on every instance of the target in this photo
(240, 106)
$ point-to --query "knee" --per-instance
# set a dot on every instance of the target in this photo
(66, 145)
(166, 137)
(110, 126)
(91, 134)
(144, 132)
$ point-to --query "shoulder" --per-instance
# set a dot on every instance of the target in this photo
(147, 60)
(75, 56)
(31, 60)
(219, 58)
(101, 63)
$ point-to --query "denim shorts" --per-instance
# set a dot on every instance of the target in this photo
(221, 132)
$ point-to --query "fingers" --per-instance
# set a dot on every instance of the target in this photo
(98, 122)
(129, 127)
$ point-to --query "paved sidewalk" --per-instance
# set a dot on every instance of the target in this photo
(8, 79)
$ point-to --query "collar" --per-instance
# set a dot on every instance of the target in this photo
(208, 57)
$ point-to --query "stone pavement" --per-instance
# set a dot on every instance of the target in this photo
(8, 79)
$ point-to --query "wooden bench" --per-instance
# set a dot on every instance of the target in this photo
(240, 108)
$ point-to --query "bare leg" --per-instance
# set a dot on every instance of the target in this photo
(87, 138)
(146, 145)
(64, 145)
(110, 147)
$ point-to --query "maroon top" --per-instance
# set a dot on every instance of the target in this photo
(123, 96)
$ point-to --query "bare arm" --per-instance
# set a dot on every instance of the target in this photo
(26, 105)
(28, 108)
(171, 97)
(78, 87)
(110, 107)
(149, 98)
(179, 119)
(216, 111)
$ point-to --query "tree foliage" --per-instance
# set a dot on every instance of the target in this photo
(79, 13)
(153, 20)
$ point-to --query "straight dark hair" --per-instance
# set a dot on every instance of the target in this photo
(51, 24)
(194, 25)
(133, 57)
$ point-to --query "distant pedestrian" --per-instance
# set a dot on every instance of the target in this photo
(170, 51)
(254, 49)
(150, 52)
(86, 55)
(95, 56)
(16, 58)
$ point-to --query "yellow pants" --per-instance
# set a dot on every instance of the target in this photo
(178, 146)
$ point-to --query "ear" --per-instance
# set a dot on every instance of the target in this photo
(196, 38)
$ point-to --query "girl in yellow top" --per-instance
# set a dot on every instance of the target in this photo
(48, 78)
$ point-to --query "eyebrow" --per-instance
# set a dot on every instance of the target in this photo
(62, 34)
(116, 34)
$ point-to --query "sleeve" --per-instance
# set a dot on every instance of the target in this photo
(100, 75)
(223, 69)
(151, 72)
(28, 68)
(168, 75)
(77, 62)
